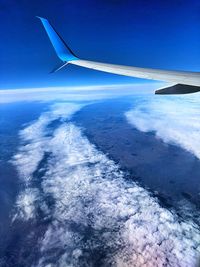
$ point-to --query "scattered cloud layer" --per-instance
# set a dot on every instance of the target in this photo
(95, 211)
(174, 119)
(36, 141)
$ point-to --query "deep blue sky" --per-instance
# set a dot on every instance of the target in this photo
(159, 34)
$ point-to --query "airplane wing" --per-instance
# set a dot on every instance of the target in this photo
(185, 81)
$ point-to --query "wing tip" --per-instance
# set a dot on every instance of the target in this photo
(41, 18)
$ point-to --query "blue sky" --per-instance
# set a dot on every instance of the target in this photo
(159, 34)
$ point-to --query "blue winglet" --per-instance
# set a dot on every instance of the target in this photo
(61, 48)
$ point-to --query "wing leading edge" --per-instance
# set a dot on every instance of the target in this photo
(185, 81)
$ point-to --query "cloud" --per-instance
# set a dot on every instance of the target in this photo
(35, 142)
(26, 204)
(174, 119)
(86, 93)
(97, 214)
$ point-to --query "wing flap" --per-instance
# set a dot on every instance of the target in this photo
(178, 89)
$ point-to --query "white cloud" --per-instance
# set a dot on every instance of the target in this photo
(174, 119)
(34, 146)
(96, 209)
(86, 93)
(26, 203)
